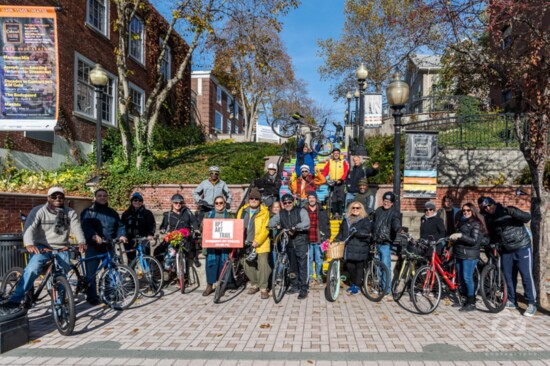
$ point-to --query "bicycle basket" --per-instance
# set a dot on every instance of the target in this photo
(336, 249)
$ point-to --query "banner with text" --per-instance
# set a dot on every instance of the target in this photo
(420, 175)
(373, 110)
(222, 233)
(28, 69)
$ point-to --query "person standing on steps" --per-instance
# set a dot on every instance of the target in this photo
(337, 169)
(356, 175)
(209, 189)
(306, 182)
(319, 231)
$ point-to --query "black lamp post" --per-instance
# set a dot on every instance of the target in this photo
(397, 94)
(362, 74)
(99, 79)
(355, 119)
(348, 111)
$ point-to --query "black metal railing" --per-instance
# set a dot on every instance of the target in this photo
(432, 104)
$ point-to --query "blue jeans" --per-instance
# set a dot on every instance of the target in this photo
(33, 269)
(465, 269)
(315, 255)
(215, 259)
(385, 257)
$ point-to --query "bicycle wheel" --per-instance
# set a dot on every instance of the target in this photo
(63, 309)
(149, 274)
(222, 283)
(10, 281)
(400, 283)
(426, 290)
(180, 267)
(332, 289)
(118, 287)
(285, 128)
(322, 145)
(493, 288)
(373, 287)
(278, 280)
(193, 282)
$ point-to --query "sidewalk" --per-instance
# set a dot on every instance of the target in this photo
(190, 329)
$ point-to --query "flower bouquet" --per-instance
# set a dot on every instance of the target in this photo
(325, 245)
(174, 238)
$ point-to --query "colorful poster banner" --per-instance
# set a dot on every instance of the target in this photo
(373, 110)
(28, 69)
(420, 173)
(222, 233)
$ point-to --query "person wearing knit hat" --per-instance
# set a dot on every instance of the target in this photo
(139, 222)
(306, 182)
(319, 231)
(365, 195)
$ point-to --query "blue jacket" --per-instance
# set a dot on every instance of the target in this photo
(307, 159)
(103, 221)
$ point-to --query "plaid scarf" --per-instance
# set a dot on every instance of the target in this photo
(313, 224)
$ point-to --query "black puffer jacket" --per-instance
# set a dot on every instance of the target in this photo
(357, 248)
(355, 175)
(268, 185)
(507, 226)
(386, 225)
(467, 247)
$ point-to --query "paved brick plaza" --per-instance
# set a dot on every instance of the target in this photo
(190, 330)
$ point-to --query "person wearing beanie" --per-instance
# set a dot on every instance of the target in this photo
(49, 229)
(366, 196)
(100, 224)
(386, 225)
(139, 222)
(269, 185)
(256, 234)
(306, 182)
(336, 169)
(319, 231)
(432, 226)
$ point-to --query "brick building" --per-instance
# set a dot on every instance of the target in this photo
(218, 112)
(85, 37)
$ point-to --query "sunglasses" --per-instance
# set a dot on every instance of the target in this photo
(178, 203)
(219, 203)
(356, 208)
(254, 199)
(288, 202)
(428, 209)
(57, 197)
(137, 200)
(305, 171)
(214, 173)
(466, 210)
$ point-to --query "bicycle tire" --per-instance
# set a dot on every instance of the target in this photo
(193, 281)
(493, 288)
(118, 287)
(180, 270)
(325, 145)
(10, 281)
(332, 289)
(221, 285)
(372, 287)
(279, 280)
(426, 295)
(400, 283)
(63, 309)
(150, 275)
(284, 128)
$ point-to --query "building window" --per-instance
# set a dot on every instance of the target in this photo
(97, 15)
(219, 122)
(507, 96)
(85, 98)
(137, 40)
(506, 37)
(166, 63)
(229, 103)
(219, 94)
(229, 126)
(137, 98)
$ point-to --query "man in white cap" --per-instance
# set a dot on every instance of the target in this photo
(49, 229)
(269, 185)
(209, 189)
(306, 182)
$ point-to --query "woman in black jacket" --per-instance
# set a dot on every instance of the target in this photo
(470, 232)
(139, 222)
(357, 248)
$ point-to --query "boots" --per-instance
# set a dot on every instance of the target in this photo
(208, 290)
(470, 304)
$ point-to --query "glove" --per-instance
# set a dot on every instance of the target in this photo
(455, 236)
(292, 231)
(353, 231)
(228, 205)
(203, 203)
(197, 233)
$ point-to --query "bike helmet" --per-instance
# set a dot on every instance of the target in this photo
(177, 198)
(252, 255)
(214, 168)
(272, 166)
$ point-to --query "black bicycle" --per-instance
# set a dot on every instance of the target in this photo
(412, 257)
(232, 279)
(375, 283)
(493, 284)
(279, 278)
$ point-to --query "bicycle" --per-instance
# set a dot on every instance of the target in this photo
(375, 282)
(493, 284)
(286, 128)
(279, 278)
(336, 250)
(118, 283)
(183, 266)
(58, 288)
(412, 255)
(232, 272)
(147, 268)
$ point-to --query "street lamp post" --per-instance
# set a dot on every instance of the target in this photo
(356, 119)
(348, 111)
(362, 74)
(397, 94)
(232, 115)
(99, 79)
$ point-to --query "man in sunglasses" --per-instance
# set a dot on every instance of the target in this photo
(49, 229)
(306, 182)
(296, 220)
(506, 225)
(139, 222)
(209, 189)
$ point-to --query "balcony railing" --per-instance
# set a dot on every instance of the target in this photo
(431, 104)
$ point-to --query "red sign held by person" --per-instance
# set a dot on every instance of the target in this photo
(222, 233)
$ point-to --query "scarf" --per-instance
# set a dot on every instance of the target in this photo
(61, 224)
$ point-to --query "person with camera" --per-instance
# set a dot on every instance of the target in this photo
(296, 220)
(257, 243)
(209, 189)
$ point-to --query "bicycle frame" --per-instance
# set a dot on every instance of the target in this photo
(437, 265)
(107, 261)
(53, 269)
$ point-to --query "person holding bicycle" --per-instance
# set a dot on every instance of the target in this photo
(100, 224)
(209, 189)
(357, 250)
(296, 220)
(432, 226)
(256, 219)
(49, 229)
(467, 242)
(269, 185)
(337, 169)
(139, 222)
(215, 258)
(319, 231)
(306, 182)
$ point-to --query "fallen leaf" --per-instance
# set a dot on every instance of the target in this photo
(384, 317)
(310, 361)
(135, 330)
(219, 335)
(36, 341)
(108, 329)
(265, 325)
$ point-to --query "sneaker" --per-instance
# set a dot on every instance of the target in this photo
(355, 290)
(253, 290)
(302, 295)
(94, 301)
(265, 294)
(531, 310)
(292, 290)
(468, 307)
(510, 305)
(320, 281)
(208, 290)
